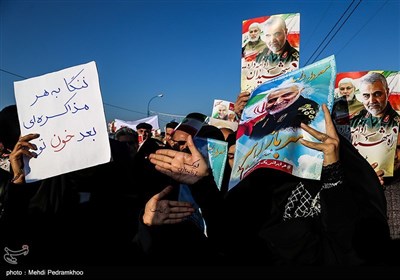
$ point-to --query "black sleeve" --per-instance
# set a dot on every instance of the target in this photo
(143, 238)
(338, 216)
(15, 221)
(16, 202)
(209, 199)
(354, 236)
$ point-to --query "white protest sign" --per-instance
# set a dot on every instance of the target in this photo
(66, 109)
(153, 120)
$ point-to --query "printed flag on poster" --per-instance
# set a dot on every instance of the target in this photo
(270, 48)
(66, 109)
(375, 137)
(223, 115)
(393, 80)
(268, 133)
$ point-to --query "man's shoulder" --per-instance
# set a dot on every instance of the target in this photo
(151, 145)
(264, 53)
(360, 114)
(392, 111)
(307, 108)
(293, 52)
(154, 142)
(392, 116)
(356, 117)
(289, 53)
(304, 100)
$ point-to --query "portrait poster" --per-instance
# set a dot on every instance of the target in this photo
(223, 115)
(270, 48)
(375, 138)
(346, 104)
(269, 138)
(216, 152)
(66, 109)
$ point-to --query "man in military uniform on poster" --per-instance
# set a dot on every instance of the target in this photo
(377, 112)
(279, 52)
(255, 45)
(376, 126)
(285, 107)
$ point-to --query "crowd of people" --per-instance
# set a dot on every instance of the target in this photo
(157, 203)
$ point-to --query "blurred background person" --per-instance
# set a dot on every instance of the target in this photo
(130, 138)
(144, 132)
(169, 129)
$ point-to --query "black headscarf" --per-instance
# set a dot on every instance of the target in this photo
(210, 131)
(9, 126)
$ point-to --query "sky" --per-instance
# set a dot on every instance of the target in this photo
(190, 51)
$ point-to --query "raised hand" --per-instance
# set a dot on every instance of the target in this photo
(329, 144)
(158, 211)
(21, 148)
(182, 167)
(241, 101)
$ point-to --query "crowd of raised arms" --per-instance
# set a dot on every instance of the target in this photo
(157, 203)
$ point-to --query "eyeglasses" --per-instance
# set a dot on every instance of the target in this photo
(348, 88)
(180, 143)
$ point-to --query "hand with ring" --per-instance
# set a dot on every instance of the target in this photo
(329, 144)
